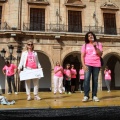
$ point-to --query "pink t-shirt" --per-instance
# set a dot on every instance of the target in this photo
(81, 73)
(60, 72)
(67, 72)
(107, 75)
(31, 61)
(10, 70)
(73, 73)
(91, 58)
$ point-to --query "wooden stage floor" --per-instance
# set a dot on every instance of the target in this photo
(49, 100)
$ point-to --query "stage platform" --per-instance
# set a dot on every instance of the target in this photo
(51, 101)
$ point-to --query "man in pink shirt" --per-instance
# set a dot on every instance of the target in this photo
(91, 52)
(9, 70)
(107, 73)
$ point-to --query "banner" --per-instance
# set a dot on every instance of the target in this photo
(31, 74)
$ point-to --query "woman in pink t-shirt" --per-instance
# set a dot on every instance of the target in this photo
(58, 78)
(91, 52)
(73, 78)
(81, 74)
(107, 74)
(29, 61)
(67, 74)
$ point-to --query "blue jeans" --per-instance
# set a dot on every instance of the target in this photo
(95, 72)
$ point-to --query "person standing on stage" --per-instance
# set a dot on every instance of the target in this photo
(29, 60)
(107, 73)
(81, 74)
(58, 78)
(91, 52)
(67, 74)
(10, 70)
(73, 78)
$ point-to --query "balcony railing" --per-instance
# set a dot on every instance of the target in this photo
(69, 28)
(4, 26)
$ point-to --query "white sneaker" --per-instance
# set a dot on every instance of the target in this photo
(85, 99)
(36, 97)
(69, 93)
(9, 93)
(16, 93)
(108, 91)
(28, 97)
(81, 91)
(96, 99)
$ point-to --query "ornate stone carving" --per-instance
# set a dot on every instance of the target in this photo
(109, 5)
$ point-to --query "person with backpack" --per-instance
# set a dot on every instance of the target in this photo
(91, 53)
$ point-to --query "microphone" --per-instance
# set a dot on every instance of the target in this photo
(92, 39)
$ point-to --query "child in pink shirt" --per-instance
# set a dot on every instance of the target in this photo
(9, 70)
(67, 73)
(107, 73)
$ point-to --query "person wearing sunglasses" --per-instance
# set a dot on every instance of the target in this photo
(29, 60)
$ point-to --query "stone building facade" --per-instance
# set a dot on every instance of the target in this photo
(57, 28)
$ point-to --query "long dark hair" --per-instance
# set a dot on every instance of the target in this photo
(86, 37)
(7, 62)
(67, 65)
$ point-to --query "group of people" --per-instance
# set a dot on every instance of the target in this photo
(91, 53)
(29, 60)
(66, 77)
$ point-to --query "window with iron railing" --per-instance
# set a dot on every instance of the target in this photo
(37, 19)
(109, 23)
(74, 21)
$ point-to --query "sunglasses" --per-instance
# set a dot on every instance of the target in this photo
(30, 44)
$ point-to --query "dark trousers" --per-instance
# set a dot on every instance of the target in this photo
(81, 85)
(10, 79)
(68, 86)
